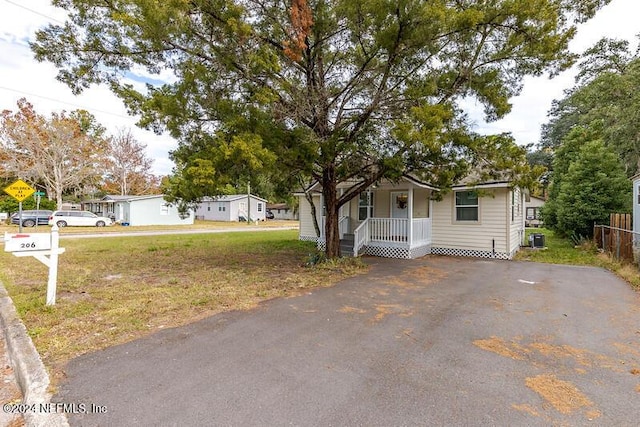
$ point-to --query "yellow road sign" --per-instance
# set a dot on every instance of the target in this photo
(19, 190)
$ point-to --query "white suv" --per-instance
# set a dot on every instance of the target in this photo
(78, 219)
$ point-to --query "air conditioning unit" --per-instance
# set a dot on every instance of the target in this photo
(536, 240)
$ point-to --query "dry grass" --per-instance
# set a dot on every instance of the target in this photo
(197, 225)
(114, 290)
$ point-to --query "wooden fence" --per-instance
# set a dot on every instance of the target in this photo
(616, 238)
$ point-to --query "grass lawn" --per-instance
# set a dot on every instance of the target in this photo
(117, 228)
(114, 290)
(563, 251)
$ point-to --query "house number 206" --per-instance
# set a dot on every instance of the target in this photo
(27, 245)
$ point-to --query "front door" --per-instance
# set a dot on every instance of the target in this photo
(399, 204)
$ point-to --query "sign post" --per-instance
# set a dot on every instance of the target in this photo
(38, 195)
(39, 245)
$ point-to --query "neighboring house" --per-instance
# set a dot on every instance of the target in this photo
(282, 211)
(139, 210)
(70, 206)
(232, 208)
(403, 221)
(532, 212)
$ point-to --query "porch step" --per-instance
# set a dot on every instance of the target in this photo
(348, 238)
(346, 244)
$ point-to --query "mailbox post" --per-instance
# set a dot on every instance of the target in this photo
(38, 245)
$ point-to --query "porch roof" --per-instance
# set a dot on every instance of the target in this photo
(315, 187)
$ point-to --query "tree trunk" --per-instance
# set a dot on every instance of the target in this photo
(331, 232)
(316, 226)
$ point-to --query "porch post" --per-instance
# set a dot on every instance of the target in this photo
(410, 216)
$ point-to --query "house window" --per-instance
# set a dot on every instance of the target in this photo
(164, 209)
(208, 208)
(466, 206)
(222, 208)
(259, 206)
(365, 205)
(516, 208)
(533, 213)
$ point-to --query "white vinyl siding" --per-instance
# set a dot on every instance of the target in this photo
(306, 221)
(474, 235)
(153, 211)
(516, 226)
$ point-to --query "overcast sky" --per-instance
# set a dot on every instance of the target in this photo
(21, 76)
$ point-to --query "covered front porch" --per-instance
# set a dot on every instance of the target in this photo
(391, 221)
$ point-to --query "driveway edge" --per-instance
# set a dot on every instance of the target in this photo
(30, 373)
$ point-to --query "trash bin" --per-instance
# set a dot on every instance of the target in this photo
(536, 240)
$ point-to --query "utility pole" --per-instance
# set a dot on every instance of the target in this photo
(248, 202)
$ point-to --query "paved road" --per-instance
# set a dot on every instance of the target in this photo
(436, 341)
(251, 228)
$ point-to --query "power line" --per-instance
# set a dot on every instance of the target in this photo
(64, 102)
(34, 11)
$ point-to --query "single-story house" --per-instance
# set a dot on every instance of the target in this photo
(533, 205)
(282, 211)
(402, 220)
(232, 207)
(139, 210)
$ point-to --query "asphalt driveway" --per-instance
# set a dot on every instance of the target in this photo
(435, 341)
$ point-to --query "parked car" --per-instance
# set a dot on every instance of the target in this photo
(31, 217)
(269, 215)
(78, 219)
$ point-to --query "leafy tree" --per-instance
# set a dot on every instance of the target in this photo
(63, 152)
(594, 186)
(10, 205)
(338, 91)
(606, 97)
(564, 156)
(128, 169)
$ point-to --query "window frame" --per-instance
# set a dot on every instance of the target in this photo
(367, 206)
(467, 206)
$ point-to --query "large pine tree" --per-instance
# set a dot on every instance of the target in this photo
(336, 91)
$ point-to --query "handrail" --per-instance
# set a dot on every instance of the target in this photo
(360, 236)
(341, 225)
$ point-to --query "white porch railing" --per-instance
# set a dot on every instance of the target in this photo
(343, 226)
(421, 231)
(389, 229)
(393, 231)
(361, 237)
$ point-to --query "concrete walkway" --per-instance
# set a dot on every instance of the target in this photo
(435, 341)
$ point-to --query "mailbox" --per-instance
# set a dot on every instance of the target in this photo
(27, 242)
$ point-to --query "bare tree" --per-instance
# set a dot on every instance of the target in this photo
(128, 168)
(63, 152)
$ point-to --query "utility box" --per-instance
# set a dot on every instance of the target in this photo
(536, 240)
